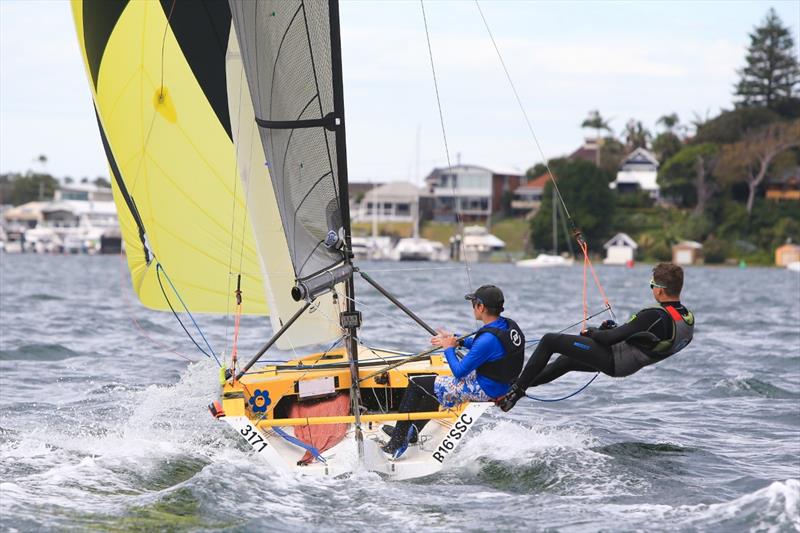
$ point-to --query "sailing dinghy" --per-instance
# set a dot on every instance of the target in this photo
(224, 129)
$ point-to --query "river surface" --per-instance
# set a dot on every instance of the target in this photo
(103, 424)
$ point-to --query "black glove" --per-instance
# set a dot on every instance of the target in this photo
(608, 324)
(588, 331)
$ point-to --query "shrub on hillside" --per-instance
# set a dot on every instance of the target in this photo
(715, 251)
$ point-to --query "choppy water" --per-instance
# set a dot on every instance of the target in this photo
(103, 426)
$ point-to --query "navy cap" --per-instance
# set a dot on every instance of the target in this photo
(488, 295)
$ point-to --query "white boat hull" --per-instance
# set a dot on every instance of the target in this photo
(546, 261)
(437, 442)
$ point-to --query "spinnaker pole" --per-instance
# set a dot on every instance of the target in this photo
(351, 319)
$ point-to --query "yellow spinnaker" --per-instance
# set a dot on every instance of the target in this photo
(170, 152)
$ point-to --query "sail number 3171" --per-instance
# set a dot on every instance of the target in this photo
(253, 437)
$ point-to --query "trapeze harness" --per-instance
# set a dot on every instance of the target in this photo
(507, 368)
(645, 348)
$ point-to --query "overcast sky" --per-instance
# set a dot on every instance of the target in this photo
(638, 60)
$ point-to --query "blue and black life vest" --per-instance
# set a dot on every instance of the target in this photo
(507, 368)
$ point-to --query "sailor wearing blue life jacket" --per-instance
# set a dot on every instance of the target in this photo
(650, 336)
(495, 358)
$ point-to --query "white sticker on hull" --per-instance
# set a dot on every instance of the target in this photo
(256, 439)
(462, 425)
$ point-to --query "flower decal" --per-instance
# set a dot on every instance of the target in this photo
(259, 401)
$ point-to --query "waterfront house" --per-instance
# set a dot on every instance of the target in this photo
(785, 186)
(788, 253)
(24, 216)
(638, 172)
(589, 151)
(357, 189)
(505, 182)
(396, 201)
(687, 253)
(620, 250)
(528, 197)
(471, 191)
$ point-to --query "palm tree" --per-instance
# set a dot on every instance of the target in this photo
(597, 123)
(669, 121)
(636, 136)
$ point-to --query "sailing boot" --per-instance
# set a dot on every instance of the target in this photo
(507, 402)
(398, 444)
(389, 430)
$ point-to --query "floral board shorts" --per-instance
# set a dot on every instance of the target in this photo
(451, 391)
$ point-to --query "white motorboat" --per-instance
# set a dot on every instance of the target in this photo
(546, 261)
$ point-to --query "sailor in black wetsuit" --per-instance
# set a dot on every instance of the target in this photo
(650, 336)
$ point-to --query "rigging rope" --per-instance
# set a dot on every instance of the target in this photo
(456, 199)
(159, 271)
(587, 264)
(563, 397)
(163, 43)
(123, 270)
(233, 225)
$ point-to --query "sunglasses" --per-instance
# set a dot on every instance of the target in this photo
(654, 285)
(475, 302)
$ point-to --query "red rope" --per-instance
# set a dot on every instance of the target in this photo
(587, 264)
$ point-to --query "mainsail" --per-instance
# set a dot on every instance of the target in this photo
(286, 49)
(271, 241)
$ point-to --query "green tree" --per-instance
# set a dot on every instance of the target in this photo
(687, 176)
(6, 187)
(636, 135)
(750, 159)
(536, 170)
(670, 122)
(667, 143)
(772, 71)
(32, 186)
(732, 126)
(100, 181)
(596, 122)
(591, 204)
(611, 154)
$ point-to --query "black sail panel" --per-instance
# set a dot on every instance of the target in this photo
(286, 49)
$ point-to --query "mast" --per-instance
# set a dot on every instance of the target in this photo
(416, 185)
(351, 319)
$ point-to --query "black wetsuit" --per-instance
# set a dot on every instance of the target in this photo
(595, 351)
